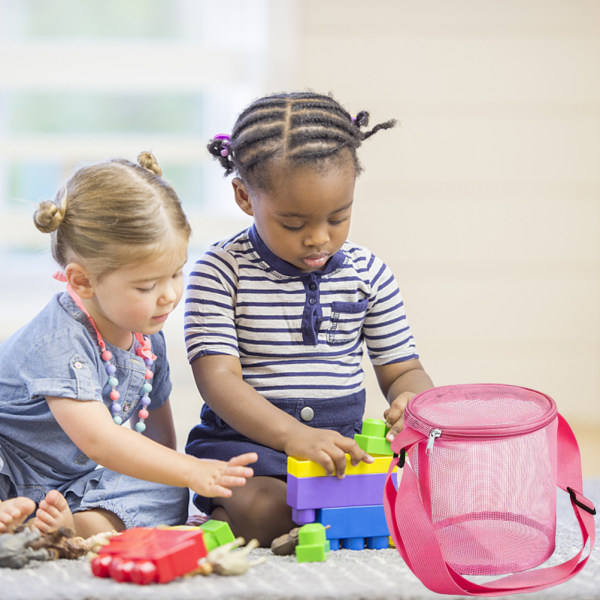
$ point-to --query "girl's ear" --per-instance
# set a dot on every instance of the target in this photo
(242, 198)
(79, 279)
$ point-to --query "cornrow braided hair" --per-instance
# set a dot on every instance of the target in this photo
(300, 127)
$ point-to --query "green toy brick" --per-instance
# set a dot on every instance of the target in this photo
(316, 553)
(374, 428)
(372, 437)
(312, 543)
(216, 533)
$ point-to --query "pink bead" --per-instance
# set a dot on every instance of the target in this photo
(143, 413)
(149, 374)
(114, 395)
(106, 355)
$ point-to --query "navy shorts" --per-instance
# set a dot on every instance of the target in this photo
(214, 438)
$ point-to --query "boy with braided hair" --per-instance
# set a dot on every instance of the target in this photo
(277, 315)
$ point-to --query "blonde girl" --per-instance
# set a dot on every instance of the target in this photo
(94, 359)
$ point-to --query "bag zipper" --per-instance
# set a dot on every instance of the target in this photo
(434, 434)
(433, 431)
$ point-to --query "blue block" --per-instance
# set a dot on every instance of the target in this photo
(353, 543)
(334, 544)
(327, 492)
(378, 542)
(356, 526)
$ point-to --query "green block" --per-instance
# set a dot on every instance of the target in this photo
(374, 428)
(216, 533)
(372, 437)
(312, 543)
(313, 552)
(372, 445)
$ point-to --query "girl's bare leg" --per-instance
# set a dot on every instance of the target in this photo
(54, 512)
(14, 511)
(91, 522)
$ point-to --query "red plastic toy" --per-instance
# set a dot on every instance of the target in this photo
(145, 555)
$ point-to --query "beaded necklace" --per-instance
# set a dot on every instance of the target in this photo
(143, 350)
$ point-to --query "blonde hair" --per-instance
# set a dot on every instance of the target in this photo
(111, 214)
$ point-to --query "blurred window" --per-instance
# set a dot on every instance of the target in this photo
(82, 81)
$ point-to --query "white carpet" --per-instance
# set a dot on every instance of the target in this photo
(347, 574)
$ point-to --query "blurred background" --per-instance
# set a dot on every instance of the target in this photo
(485, 201)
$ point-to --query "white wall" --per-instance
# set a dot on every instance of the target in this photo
(485, 201)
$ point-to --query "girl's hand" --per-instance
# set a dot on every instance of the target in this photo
(214, 477)
(326, 447)
(394, 415)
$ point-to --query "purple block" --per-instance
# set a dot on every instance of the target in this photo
(302, 517)
(329, 492)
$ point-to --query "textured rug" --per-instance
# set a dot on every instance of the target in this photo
(348, 574)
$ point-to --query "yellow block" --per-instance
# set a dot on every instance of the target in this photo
(299, 467)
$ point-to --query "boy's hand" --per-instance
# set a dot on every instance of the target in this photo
(326, 447)
(214, 477)
(394, 415)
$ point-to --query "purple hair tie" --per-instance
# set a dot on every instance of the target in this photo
(225, 141)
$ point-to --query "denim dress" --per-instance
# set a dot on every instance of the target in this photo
(57, 354)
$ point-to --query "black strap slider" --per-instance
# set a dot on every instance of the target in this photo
(573, 494)
(402, 458)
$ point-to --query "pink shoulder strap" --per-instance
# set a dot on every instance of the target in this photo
(413, 532)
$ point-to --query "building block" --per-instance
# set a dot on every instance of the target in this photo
(355, 527)
(302, 516)
(216, 533)
(327, 492)
(307, 468)
(372, 437)
(312, 546)
(150, 555)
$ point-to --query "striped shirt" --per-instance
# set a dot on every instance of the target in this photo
(297, 334)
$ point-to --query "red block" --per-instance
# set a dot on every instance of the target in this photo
(146, 555)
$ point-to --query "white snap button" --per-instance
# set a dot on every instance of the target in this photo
(77, 365)
(307, 413)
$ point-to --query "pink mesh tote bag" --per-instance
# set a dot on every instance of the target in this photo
(477, 496)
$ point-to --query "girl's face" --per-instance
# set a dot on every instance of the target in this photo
(304, 217)
(140, 296)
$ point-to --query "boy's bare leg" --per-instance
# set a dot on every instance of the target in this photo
(257, 510)
(14, 512)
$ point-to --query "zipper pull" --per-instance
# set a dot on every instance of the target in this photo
(433, 435)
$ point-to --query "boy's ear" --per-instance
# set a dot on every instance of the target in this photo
(242, 198)
(79, 279)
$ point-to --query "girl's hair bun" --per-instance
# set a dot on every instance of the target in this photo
(48, 217)
(148, 161)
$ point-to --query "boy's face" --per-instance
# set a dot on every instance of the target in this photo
(304, 216)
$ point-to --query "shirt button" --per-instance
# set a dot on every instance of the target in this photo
(312, 300)
(77, 365)
(307, 413)
(312, 285)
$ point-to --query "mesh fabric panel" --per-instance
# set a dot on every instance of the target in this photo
(492, 501)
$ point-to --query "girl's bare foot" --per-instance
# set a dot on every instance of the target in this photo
(14, 511)
(53, 512)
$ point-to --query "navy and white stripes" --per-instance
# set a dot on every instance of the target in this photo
(297, 334)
